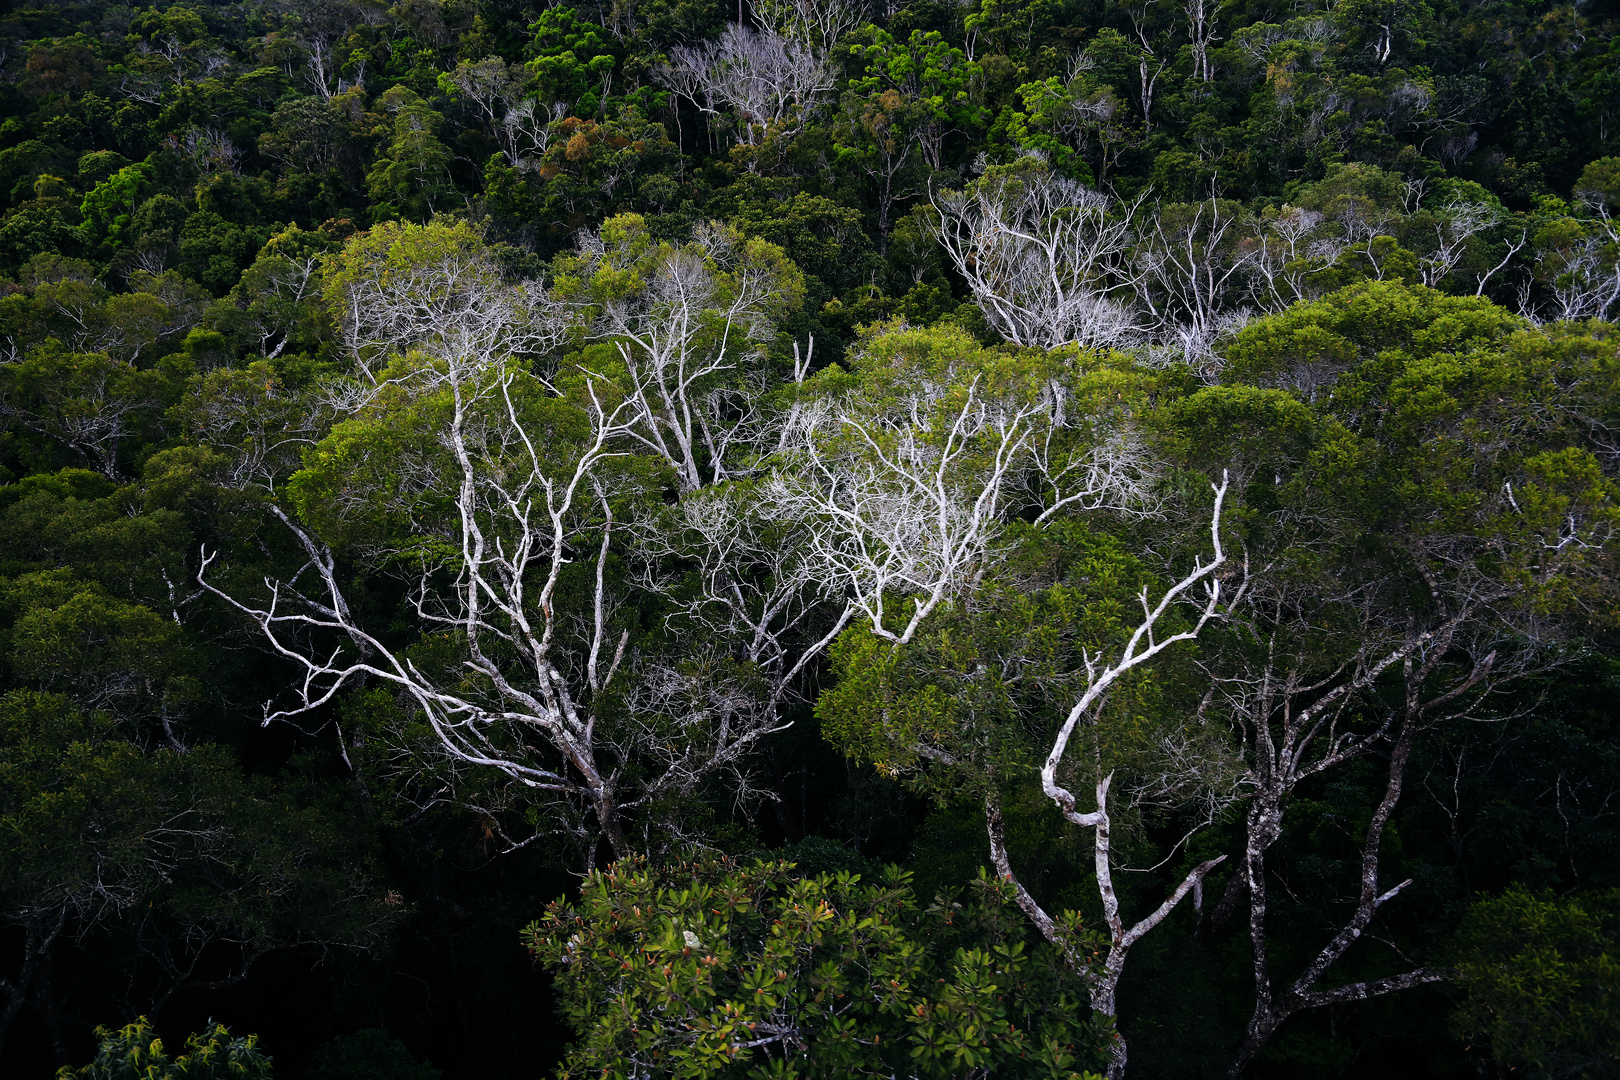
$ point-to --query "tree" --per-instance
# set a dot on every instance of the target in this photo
(574, 62)
(1193, 268)
(278, 300)
(1075, 121)
(1580, 256)
(773, 82)
(104, 814)
(168, 858)
(90, 403)
(308, 134)
(909, 478)
(815, 22)
(435, 288)
(483, 476)
(1378, 617)
(497, 92)
(936, 80)
(107, 207)
(1045, 258)
(971, 711)
(877, 137)
(1538, 972)
(692, 969)
(410, 175)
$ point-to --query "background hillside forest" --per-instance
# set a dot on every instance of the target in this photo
(907, 538)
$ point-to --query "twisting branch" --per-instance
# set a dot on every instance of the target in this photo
(1142, 646)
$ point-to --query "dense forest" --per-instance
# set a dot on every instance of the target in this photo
(894, 538)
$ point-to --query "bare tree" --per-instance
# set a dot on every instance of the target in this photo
(1300, 714)
(1586, 282)
(688, 326)
(259, 425)
(1149, 65)
(1047, 259)
(1360, 661)
(88, 402)
(322, 73)
(1289, 248)
(904, 487)
(819, 23)
(454, 304)
(772, 82)
(527, 692)
(1192, 269)
(496, 91)
(209, 149)
(1081, 461)
(1201, 31)
(1457, 222)
(686, 75)
(1285, 717)
(1101, 672)
(737, 572)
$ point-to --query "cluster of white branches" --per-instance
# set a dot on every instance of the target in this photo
(498, 93)
(209, 150)
(756, 583)
(455, 307)
(819, 23)
(906, 495)
(680, 336)
(1047, 260)
(1052, 262)
(1587, 285)
(518, 507)
(1190, 279)
(771, 81)
(906, 500)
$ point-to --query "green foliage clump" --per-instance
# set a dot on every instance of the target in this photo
(134, 1052)
(1541, 978)
(718, 968)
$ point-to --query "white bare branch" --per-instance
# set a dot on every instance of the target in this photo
(1047, 260)
(771, 81)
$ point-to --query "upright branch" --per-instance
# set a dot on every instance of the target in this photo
(1101, 673)
(1143, 645)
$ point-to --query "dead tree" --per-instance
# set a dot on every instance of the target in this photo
(508, 474)
(1203, 586)
(1047, 260)
(771, 82)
